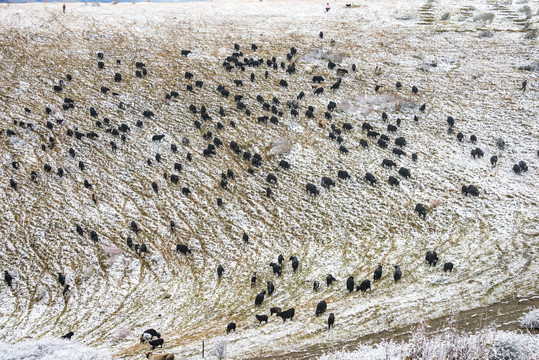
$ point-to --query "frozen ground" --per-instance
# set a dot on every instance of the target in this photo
(480, 60)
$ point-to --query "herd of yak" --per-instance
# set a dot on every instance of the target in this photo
(213, 130)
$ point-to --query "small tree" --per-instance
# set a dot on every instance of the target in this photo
(219, 349)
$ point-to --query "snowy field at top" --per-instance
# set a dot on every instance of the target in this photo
(468, 61)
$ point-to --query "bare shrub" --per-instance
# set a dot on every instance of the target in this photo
(485, 34)
(486, 17)
(219, 349)
(531, 34)
(281, 145)
(121, 334)
(530, 320)
(445, 16)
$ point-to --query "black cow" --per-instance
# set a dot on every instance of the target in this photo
(350, 284)
(288, 314)
(327, 182)
(431, 258)
(261, 318)
(68, 335)
(400, 141)
(318, 91)
(316, 285)
(477, 152)
(377, 273)
(311, 189)
(494, 160)
(8, 278)
(342, 148)
(260, 298)
(420, 209)
(398, 152)
(318, 79)
(185, 52)
(448, 267)
(295, 263)
(373, 134)
(370, 178)
(363, 143)
(388, 163)
(277, 269)
(366, 126)
(404, 172)
(183, 249)
(331, 321)
(523, 166)
(283, 83)
(391, 128)
(321, 307)
(271, 288)
(365, 284)
(231, 327)
(330, 279)
(397, 275)
(343, 174)
(155, 343)
(271, 179)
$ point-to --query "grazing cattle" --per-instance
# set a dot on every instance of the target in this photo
(350, 284)
(397, 275)
(168, 356)
(342, 149)
(231, 327)
(13, 184)
(331, 106)
(391, 128)
(398, 85)
(450, 121)
(262, 318)
(388, 163)
(157, 342)
(268, 192)
(414, 89)
(277, 269)
(398, 152)
(343, 174)
(431, 258)
(331, 321)
(404, 172)
(100, 65)
(363, 143)
(133, 225)
(271, 288)
(473, 139)
(94, 236)
(295, 263)
(318, 79)
(157, 137)
(414, 157)
(319, 91)
(316, 285)
(68, 335)
(117, 77)
(472, 190)
(494, 160)
(460, 136)
(220, 271)
(61, 279)
(364, 286)
(377, 273)
(148, 114)
(331, 65)
(393, 181)
(183, 249)
(311, 189)
(523, 166)
(477, 152)
(8, 278)
(420, 209)
(288, 314)
(284, 164)
(219, 202)
(366, 126)
(238, 82)
(283, 83)
(155, 187)
(275, 310)
(321, 308)
(185, 52)
(373, 134)
(327, 182)
(188, 75)
(330, 279)
(517, 169)
(370, 178)
(341, 72)
(260, 298)
(400, 141)
(271, 179)
(253, 279)
(245, 238)
(384, 116)
(448, 267)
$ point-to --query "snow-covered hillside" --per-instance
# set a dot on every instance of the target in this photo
(467, 59)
